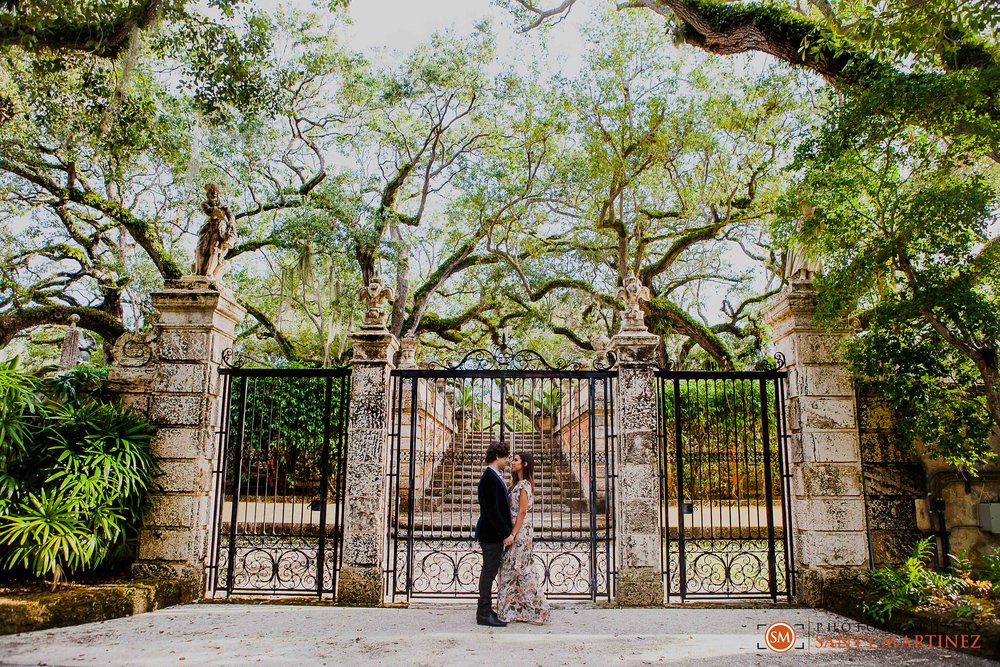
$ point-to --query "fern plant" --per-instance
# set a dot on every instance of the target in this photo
(909, 585)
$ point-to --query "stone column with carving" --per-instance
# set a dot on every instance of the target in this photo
(174, 374)
(827, 503)
(374, 348)
(640, 581)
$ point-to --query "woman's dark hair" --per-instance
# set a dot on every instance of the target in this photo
(496, 450)
(527, 470)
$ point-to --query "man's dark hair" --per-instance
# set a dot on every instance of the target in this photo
(496, 450)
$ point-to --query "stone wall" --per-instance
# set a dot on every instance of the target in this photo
(573, 434)
(433, 426)
(894, 483)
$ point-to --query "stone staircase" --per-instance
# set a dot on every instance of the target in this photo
(449, 500)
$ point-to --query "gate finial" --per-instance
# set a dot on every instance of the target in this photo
(373, 296)
(633, 292)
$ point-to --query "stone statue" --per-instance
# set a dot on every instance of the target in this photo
(216, 237)
(800, 266)
(70, 356)
(633, 292)
(373, 296)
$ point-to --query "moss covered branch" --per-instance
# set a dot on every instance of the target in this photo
(105, 38)
(665, 317)
(92, 319)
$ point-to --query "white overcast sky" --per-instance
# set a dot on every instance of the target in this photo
(396, 26)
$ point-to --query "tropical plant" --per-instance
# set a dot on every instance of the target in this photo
(548, 401)
(77, 476)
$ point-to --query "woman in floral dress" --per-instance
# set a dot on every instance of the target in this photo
(520, 591)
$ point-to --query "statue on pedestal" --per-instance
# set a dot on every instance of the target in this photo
(800, 265)
(633, 292)
(215, 238)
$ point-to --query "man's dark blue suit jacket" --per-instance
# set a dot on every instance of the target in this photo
(495, 523)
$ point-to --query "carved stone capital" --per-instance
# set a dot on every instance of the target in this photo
(376, 346)
(636, 348)
(194, 302)
(407, 353)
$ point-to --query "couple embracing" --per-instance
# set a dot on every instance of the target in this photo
(505, 535)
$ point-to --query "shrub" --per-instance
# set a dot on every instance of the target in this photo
(77, 477)
(963, 592)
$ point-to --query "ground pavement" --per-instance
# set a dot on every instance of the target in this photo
(248, 634)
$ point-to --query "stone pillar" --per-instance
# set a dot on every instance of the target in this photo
(640, 580)
(374, 348)
(827, 503)
(198, 320)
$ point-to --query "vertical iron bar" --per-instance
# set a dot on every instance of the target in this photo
(411, 487)
(340, 482)
(503, 404)
(220, 483)
(592, 503)
(765, 428)
(786, 493)
(324, 475)
(679, 443)
(238, 458)
(396, 447)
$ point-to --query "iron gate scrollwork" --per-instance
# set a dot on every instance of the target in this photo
(725, 516)
(443, 419)
(280, 481)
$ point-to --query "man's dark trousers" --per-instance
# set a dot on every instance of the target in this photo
(493, 527)
(492, 555)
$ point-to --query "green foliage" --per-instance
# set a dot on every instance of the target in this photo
(289, 411)
(907, 586)
(77, 477)
(549, 401)
(970, 589)
(18, 409)
(722, 438)
(902, 222)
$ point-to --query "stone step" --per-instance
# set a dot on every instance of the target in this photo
(472, 483)
(465, 524)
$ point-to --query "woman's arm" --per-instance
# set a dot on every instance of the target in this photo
(522, 511)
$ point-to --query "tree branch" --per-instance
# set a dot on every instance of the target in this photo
(92, 319)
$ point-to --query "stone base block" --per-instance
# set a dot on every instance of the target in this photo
(360, 586)
(820, 587)
(170, 545)
(640, 587)
(191, 579)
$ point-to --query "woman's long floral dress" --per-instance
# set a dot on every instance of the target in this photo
(520, 595)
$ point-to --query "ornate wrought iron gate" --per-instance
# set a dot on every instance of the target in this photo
(443, 419)
(280, 482)
(724, 485)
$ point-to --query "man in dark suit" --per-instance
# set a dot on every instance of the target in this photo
(494, 528)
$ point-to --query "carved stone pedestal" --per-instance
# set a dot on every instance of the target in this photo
(173, 376)
(640, 581)
(828, 510)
